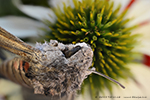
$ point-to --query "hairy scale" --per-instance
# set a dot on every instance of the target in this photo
(60, 74)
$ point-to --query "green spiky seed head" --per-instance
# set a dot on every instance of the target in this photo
(96, 23)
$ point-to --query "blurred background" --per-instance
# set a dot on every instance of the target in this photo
(24, 18)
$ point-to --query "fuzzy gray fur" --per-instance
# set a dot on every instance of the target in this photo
(58, 74)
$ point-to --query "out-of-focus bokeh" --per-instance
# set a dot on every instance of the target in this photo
(23, 18)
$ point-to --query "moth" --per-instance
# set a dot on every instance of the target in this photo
(51, 68)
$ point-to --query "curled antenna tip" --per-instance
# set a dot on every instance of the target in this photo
(122, 86)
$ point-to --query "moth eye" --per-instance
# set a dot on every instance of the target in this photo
(69, 53)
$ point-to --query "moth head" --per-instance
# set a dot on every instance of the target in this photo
(88, 54)
(65, 68)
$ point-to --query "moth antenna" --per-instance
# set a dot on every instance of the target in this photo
(98, 73)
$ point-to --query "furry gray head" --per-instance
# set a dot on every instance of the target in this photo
(64, 68)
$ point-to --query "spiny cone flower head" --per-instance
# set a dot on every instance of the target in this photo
(96, 23)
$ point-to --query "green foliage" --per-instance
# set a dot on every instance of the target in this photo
(8, 7)
(94, 22)
(36, 2)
